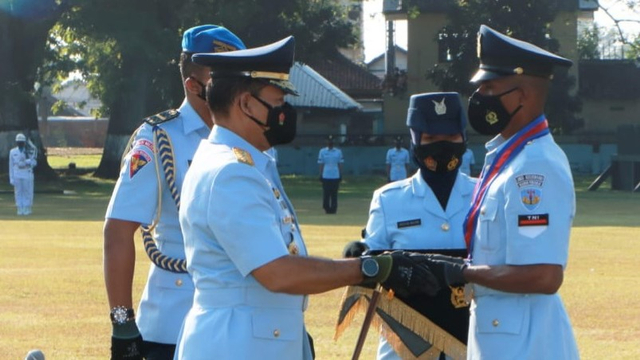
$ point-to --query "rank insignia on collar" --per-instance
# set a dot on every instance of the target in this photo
(531, 198)
(243, 156)
(138, 160)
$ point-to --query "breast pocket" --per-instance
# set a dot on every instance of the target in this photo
(489, 227)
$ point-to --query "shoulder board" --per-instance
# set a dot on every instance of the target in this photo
(162, 117)
(243, 156)
(396, 184)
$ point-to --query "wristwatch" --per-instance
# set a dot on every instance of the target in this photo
(369, 267)
(120, 315)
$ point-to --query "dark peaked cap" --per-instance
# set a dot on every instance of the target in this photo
(270, 63)
(501, 55)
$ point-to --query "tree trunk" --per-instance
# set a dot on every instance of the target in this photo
(22, 43)
(127, 113)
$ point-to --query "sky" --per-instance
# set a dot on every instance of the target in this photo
(375, 37)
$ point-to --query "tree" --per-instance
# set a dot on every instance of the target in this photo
(528, 20)
(128, 50)
(24, 27)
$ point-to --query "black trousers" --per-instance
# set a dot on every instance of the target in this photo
(330, 195)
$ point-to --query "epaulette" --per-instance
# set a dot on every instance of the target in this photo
(243, 156)
(162, 117)
(399, 184)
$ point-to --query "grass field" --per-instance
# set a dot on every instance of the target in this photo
(52, 294)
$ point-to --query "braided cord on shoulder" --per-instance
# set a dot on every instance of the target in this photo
(164, 153)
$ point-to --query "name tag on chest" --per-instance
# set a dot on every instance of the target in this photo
(409, 223)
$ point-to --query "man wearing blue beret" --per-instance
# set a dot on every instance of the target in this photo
(147, 196)
(243, 245)
(517, 230)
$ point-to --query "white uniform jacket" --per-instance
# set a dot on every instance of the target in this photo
(167, 296)
(525, 219)
(236, 218)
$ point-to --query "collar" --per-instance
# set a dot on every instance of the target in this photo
(192, 121)
(224, 136)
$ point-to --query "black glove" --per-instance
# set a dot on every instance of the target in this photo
(126, 342)
(354, 249)
(448, 269)
(405, 276)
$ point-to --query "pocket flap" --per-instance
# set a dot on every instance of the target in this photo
(277, 324)
(498, 314)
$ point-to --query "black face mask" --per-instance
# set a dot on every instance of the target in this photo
(440, 156)
(281, 123)
(487, 115)
(203, 93)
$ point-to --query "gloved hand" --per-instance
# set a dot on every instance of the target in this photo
(448, 269)
(354, 249)
(405, 276)
(126, 342)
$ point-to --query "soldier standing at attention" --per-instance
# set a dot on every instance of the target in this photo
(243, 245)
(330, 160)
(517, 230)
(146, 196)
(397, 162)
(22, 160)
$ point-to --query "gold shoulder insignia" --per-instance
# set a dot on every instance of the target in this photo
(243, 156)
(162, 117)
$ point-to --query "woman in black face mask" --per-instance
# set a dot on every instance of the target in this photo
(426, 211)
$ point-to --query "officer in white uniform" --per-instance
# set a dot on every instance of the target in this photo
(243, 244)
(426, 211)
(397, 161)
(330, 160)
(519, 224)
(147, 194)
(22, 160)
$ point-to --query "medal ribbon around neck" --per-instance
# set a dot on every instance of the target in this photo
(537, 128)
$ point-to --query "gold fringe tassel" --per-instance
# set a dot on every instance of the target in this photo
(408, 317)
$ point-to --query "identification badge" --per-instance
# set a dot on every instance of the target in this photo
(409, 223)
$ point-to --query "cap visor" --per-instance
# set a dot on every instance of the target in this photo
(484, 75)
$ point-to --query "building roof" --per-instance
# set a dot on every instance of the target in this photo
(609, 79)
(348, 76)
(317, 92)
(398, 50)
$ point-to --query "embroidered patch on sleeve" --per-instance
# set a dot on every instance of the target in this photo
(409, 223)
(139, 158)
(530, 198)
(529, 180)
(533, 220)
(143, 143)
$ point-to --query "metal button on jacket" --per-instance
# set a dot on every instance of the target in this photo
(445, 226)
(276, 333)
(495, 322)
(179, 282)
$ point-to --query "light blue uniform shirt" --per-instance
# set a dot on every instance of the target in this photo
(236, 218)
(167, 296)
(330, 158)
(407, 215)
(467, 162)
(397, 159)
(525, 219)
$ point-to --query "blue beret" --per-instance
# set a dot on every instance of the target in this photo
(437, 113)
(210, 38)
(501, 56)
(270, 63)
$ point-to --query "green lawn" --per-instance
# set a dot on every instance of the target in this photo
(53, 295)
